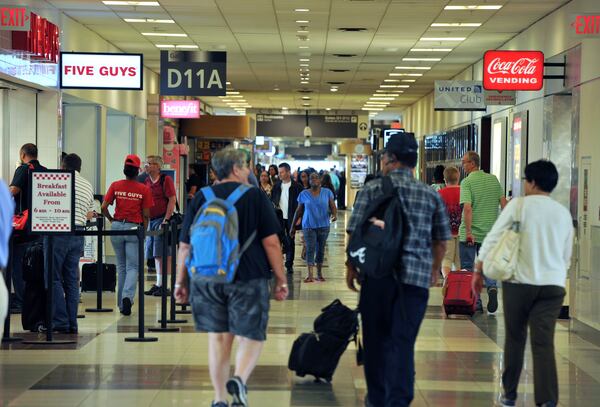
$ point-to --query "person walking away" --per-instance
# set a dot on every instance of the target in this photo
(7, 208)
(451, 196)
(240, 309)
(195, 181)
(265, 184)
(133, 201)
(533, 297)
(438, 178)
(67, 251)
(285, 197)
(326, 183)
(19, 189)
(335, 181)
(392, 307)
(164, 198)
(480, 196)
(316, 207)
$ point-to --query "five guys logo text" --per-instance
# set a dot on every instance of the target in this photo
(103, 70)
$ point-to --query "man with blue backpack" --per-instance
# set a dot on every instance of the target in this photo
(228, 247)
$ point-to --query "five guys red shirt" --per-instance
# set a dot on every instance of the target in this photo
(131, 197)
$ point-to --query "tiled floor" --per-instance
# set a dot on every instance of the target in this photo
(459, 360)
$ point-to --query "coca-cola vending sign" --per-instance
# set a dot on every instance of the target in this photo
(513, 70)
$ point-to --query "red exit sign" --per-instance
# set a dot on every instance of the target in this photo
(15, 18)
(586, 24)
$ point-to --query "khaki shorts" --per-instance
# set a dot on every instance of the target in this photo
(452, 254)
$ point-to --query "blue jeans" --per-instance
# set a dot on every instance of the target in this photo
(391, 317)
(126, 249)
(315, 245)
(65, 266)
(467, 260)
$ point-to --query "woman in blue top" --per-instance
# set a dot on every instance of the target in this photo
(315, 205)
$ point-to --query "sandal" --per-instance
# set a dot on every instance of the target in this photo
(309, 280)
(321, 279)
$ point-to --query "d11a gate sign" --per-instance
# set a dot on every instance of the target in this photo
(513, 70)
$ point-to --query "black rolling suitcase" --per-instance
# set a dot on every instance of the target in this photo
(89, 277)
(33, 313)
(318, 353)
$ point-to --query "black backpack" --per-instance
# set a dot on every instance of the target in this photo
(373, 251)
(337, 320)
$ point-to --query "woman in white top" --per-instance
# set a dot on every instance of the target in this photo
(534, 296)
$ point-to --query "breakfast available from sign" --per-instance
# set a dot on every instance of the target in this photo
(513, 70)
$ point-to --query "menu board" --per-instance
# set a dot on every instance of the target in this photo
(359, 168)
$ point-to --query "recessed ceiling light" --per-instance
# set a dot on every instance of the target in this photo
(456, 24)
(474, 7)
(391, 80)
(301, 10)
(422, 59)
(306, 97)
(328, 108)
(414, 68)
(303, 46)
(377, 109)
(132, 3)
(384, 93)
(405, 74)
(164, 35)
(381, 98)
(165, 46)
(228, 83)
(187, 46)
(394, 86)
(443, 39)
(333, 89)
(305, 104)
(304, 59)
(231, 96)
(302, 21)
(304, 82)
(148, 20)
(304, 64)
(284, 108)
(302, 31)
(409, 80)
(431, 50)
(232, 93)
(378, 103)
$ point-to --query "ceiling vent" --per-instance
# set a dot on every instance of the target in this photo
(344, 55)
(339, 70)
(352, 29)
(336, 83)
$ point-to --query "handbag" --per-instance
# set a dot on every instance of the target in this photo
(20, 220)
(501, 262)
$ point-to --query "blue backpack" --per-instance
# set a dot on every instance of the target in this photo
(215, 253)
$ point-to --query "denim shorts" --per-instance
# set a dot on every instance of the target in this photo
(240, 308)
(153, 245)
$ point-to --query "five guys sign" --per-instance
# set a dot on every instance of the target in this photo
(513, 70)
(87, 70)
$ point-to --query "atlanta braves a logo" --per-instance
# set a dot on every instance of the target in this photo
(360, 253)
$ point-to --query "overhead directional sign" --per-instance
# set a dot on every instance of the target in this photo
(288, 125)
(193, 73)
(15, 18)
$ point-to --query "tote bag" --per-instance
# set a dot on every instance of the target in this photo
(501, 262)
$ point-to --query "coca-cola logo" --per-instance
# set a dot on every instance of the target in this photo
(522, 66)
(513, 70)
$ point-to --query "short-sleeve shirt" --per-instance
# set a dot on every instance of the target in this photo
(316, 208)
(451, 197)
(84, 199)
(131, 198)
(483, 191)
(161, 192)
(426, 222)
(255, 213)
(193, 181)
(21, 180)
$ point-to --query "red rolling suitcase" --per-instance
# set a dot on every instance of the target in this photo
(459, 298)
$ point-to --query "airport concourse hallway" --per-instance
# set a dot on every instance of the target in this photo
(458, 361)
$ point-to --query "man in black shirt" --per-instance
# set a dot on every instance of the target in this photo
(239, 309)
(285, 197)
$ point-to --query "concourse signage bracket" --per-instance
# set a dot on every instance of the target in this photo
(193, 73)
(52, 202)
(104, 70)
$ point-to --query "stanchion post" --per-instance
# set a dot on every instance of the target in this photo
(164, 230)
(8, 279)
(99, 269)
(141, 337)
(174, 238)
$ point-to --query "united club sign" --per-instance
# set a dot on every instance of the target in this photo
(513, 70)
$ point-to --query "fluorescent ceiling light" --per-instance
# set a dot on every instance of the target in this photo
(306, 97)
(302, 31)
(422, 59)
(391, 80)
(377, 109)
(303, 46)
(304, 59)
(443, 38)
(456, 24)
(328, 108)
(232, 93)
(474, 7)
(164, 35)
(333, 89)
(148, 20)
(301, 10)
(234, 96)
(304, 64)
(414, 68)
(394, 86)
(187, 46)
(409, 80)
(431, 50)
(304, 82)
(381, 98)
(165, 46)
(378, 103)
(132, 3)
(405, 74)
(385, 94)
(284, 108)
(302, 21)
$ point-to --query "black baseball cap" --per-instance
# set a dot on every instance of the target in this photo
(402, 143)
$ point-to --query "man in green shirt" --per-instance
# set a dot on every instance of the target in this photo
(480, 196)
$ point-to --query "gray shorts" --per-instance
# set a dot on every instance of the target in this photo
(241, 308)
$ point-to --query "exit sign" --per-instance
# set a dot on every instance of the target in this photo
(15, 18)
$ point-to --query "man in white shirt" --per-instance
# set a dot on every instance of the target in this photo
(67, 251)
(285, 197)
